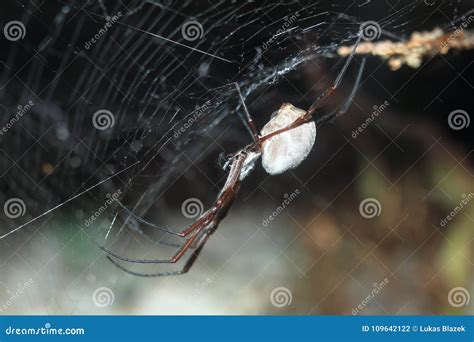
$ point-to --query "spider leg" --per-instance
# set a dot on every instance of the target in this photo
(321, 100)
(207, 222)
(181, 251)
(348, 101)
(183, 233)
(250, 123)
(204, 235)
(328, 92)
(134, 227)
(187, 266)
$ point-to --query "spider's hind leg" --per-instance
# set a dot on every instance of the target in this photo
(187, 266)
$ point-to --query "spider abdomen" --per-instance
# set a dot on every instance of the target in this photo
(288, 149)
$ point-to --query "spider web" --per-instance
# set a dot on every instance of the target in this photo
(171, 96)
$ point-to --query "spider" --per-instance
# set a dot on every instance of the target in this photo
(283, 143)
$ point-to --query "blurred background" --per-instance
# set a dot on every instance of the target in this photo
(115, 112)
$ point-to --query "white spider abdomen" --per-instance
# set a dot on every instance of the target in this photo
(288, 149)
